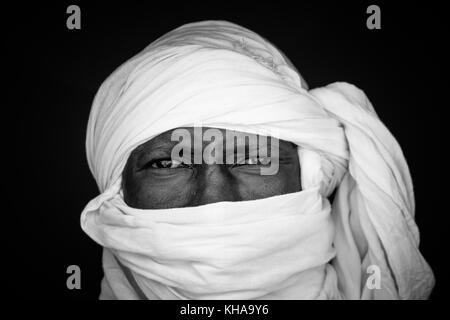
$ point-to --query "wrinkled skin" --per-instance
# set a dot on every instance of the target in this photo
(149, 181)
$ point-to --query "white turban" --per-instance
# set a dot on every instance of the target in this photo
(222, 75)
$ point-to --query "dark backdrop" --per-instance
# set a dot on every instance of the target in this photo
(54, 73)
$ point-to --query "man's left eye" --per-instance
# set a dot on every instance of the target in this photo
(257, 161)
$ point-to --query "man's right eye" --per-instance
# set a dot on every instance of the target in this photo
(166, 164)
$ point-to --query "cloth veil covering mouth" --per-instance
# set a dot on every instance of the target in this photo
(292, 246)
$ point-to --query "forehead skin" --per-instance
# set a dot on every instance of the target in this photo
(147, 187)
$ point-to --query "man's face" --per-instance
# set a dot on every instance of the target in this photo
(222, 168)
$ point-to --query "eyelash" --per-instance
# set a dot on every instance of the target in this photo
(154, 163)
(264, 161)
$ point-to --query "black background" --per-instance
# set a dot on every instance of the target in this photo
(53, 74)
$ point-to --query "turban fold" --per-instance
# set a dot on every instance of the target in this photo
(221, 75)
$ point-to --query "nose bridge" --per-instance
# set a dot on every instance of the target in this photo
(214, 184)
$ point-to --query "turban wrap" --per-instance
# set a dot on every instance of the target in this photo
(221, 75)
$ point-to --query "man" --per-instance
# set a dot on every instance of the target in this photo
(223, 177)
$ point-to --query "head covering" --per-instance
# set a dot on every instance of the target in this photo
(294, 246)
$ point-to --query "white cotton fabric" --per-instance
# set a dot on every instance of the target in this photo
(258, 249)
(294, 246)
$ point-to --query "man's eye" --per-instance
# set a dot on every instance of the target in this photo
(166, 164)
(257, 161)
